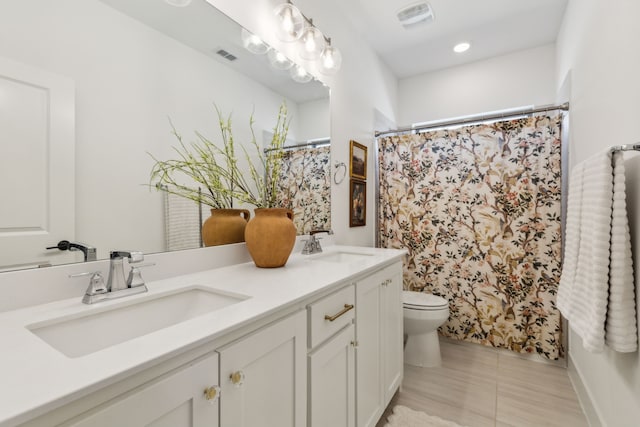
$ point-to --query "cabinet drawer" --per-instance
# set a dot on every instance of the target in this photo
(330, 314)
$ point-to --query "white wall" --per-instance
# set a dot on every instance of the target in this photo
(597, 48)
(313, 120)
(514, 80)
(129, 79)
(363, 85)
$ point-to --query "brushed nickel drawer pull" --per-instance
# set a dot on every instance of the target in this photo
(346, 308)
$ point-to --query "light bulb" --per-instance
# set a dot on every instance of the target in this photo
(278, 60)
(290, 22)
(330, 61)
(253, 43)
(312, 43)
(300, 75)
(461, 47)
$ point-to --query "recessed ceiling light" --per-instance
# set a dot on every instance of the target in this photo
(178, 3)
(461, 47)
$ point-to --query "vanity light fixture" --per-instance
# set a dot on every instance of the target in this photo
(253, 43)
(461, 47)
(330, 60)
(299, 74)
(278, 60)
(312, 43)
(290, 20)
(292, 25)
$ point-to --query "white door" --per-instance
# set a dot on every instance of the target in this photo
(369, 399)
(264, 377)
(178, 400)
(332, 382)
(37, 118)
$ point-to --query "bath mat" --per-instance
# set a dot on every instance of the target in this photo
(405, 417)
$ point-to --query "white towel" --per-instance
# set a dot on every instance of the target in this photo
(621, 333)
(182, 223)
(597, 260)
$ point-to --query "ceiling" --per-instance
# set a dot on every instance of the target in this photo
(493, 27)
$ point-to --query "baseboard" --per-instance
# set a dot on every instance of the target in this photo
(584, 397)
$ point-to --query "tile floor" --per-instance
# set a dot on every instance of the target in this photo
(478, 386)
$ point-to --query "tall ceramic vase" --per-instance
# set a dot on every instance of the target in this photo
(225, 226)
(270, 236)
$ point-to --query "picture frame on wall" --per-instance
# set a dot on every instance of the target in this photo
(358, 162)
(357, 203)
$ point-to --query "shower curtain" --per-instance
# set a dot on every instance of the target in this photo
(479, 210)
(305, 187)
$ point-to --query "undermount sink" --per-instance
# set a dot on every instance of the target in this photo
(76, 336)
(341, 257)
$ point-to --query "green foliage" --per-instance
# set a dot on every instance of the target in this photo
(216, 168)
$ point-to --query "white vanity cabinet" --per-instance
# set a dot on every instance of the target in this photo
(329, 355)
(264, 376)
(186, 398)
(379, 335)
(331, 360)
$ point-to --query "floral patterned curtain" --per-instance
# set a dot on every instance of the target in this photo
(305, 187)
(478, 208)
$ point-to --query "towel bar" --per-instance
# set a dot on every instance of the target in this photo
(626, 147)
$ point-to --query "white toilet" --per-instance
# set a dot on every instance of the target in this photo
(423, 314)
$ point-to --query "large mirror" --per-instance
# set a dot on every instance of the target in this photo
(87, 89)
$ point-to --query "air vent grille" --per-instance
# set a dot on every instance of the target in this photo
(226, 55)
(412, 15)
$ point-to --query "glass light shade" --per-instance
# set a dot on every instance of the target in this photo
(278, 60)
(330, 60)
(290, 22)
(253, 43)
(300, 75)
(312, 43)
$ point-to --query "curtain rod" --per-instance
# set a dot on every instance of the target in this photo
(320, 142)
(477, 118)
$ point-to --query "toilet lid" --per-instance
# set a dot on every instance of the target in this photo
(422, 301)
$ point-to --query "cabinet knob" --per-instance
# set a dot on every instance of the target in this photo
(212, 394)
(354, 344)
(237, 378)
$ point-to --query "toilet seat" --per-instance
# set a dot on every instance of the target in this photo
(423, 301)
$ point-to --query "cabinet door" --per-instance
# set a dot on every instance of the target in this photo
(177, 400)
(392, 332)
(264, 378)
(369, 398)
(332, 382)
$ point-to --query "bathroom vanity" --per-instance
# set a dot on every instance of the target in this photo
(316, 343)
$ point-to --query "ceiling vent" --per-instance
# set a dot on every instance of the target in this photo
(226, 55)
(415, 14)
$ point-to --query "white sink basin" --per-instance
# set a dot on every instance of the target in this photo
(341, 257)
(83, 334)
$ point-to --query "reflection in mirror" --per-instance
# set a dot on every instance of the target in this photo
(90, 86)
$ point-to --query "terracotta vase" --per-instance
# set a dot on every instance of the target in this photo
(225, 226)
(270, 236)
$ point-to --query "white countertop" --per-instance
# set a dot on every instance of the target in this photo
(35, 377)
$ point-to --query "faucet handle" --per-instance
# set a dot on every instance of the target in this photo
(134, 256)
(96, 283)
(135, 276)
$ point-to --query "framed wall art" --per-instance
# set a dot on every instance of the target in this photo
(357, 203)
(358, 161)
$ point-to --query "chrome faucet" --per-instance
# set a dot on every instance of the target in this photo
(312, 244)
(117, 286)
(89, 252)
(116, 280)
